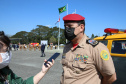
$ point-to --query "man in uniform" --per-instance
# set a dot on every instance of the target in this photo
(84, 61)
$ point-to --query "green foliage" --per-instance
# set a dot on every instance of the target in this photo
(52, 40)
(40, 33)
(92, 36)
(21, 34)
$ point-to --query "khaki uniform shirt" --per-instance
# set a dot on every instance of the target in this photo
(85, 63)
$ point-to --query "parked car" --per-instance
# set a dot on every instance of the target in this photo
(115, 40)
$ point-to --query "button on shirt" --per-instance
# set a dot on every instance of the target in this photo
(85, 63)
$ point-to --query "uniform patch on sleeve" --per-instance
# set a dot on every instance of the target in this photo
(92, 42)
(104, 55)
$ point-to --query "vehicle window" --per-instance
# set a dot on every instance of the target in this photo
(118, 47)
(105, 42)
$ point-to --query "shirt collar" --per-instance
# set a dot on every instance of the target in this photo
(82, 42)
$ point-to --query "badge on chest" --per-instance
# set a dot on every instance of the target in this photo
(81, 58)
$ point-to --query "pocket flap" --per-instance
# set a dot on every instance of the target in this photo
(79, 64)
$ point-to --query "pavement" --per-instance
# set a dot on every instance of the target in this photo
(60, 50)
(28, 63)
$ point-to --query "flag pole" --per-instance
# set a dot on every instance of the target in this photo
(67, 9)
(67, 14)
(59, 34)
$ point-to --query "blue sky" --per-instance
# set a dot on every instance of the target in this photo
(24, 15)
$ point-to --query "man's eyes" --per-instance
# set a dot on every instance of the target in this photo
(68, 26)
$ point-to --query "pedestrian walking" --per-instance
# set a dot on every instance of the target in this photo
(14, 47)
(42, 50)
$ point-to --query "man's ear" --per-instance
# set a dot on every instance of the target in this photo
(82, 27)
(1, 46)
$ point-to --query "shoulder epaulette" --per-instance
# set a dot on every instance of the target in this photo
(92, 42)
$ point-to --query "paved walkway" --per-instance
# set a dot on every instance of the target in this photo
(55, 50)
(28, 63)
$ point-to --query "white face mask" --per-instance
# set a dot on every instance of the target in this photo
(6, 57)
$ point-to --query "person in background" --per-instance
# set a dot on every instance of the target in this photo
(11, 46)
(84, 61)
(7, 76)
(42, 50)
(14, 47)
(55, 46)
(17, 46)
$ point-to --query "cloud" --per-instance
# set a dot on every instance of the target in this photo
(48, 25)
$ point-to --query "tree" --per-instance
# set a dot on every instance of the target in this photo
(21, 34)
(96, 36)
(41, 33)
(31, 37)
(52, 40)
(62, 37)
(92, 36)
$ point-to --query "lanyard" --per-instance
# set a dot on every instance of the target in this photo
(5, 80)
